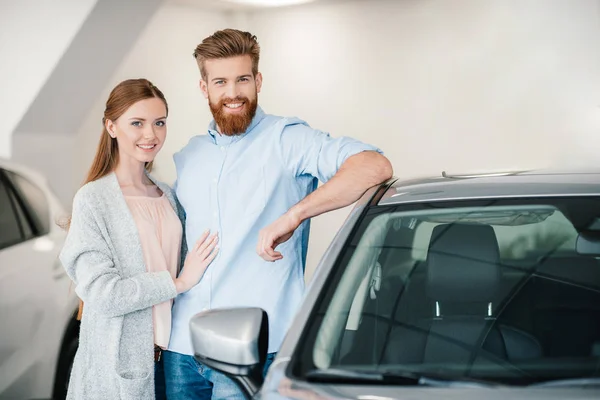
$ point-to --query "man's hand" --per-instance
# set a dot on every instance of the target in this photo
(273, 235)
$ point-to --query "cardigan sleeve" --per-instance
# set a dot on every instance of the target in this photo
(88, 261)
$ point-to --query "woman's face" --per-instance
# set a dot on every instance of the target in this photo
(140, 131)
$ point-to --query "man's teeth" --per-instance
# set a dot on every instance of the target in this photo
(146, 146)
(234, 105)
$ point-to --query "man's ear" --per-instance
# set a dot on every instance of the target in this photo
(204, 88)
(258, 81)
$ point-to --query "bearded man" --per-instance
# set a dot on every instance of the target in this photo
(253, 178)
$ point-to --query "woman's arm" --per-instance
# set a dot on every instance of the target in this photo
(88, 261)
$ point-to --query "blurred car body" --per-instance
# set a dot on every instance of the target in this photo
(39, 331)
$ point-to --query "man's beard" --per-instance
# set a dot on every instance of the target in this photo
(233, 124)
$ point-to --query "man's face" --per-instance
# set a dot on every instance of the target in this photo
(232, 92)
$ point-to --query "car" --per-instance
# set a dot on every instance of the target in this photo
(39, 329)
(462, 286)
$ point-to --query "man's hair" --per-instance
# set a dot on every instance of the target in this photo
(228, 43)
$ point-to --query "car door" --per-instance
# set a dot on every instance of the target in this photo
(29, 281)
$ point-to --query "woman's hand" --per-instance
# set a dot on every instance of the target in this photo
(197, 260)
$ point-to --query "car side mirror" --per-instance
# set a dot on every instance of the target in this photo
(233, 341)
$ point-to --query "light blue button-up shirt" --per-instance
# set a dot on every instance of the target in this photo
(237, 185)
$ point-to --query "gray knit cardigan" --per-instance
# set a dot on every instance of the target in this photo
(103, 257)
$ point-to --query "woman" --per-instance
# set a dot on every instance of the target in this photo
(123, 252)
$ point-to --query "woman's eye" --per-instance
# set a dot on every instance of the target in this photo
(160, 123)
(137, 123)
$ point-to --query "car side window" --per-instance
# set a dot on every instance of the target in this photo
(24, 223)
(36, 201)
(10, 231)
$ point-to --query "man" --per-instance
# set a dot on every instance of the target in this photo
(253, 179)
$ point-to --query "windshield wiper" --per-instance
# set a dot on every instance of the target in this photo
(390, 377)
(572, 382)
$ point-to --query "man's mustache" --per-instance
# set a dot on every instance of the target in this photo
(237, 99)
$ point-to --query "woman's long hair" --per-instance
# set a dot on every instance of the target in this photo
(123, 96)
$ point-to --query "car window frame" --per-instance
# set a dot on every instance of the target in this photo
(14, 200)
(26, 208)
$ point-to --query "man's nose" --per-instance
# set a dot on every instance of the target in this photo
(232, 90)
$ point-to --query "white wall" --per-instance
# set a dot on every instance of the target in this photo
(461, 85)
(487, 80)
(457, 85)
(34, 34)
(163, 54)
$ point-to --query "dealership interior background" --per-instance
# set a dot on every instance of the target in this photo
(460, 86)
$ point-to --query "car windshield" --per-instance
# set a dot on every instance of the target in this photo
(491, 290)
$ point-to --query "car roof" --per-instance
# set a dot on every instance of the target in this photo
(37, 178)
(29, 172)
(512, 184)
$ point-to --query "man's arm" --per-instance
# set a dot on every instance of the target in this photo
(356, 175)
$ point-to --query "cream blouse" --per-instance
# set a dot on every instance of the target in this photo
(160, 234)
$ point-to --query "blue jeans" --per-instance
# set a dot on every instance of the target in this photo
(187, 379)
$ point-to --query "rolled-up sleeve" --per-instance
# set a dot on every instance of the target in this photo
(89, 263)
(308, 151)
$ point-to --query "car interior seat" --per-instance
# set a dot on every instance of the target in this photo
(463, 277)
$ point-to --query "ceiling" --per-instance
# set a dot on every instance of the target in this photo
(225, 5)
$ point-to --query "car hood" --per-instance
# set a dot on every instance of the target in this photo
(302, 391)
(278, 386)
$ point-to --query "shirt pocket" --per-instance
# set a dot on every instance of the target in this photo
(136, 385)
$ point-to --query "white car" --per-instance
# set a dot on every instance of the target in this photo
(38, 329)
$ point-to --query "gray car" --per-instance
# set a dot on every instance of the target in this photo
(454, 287)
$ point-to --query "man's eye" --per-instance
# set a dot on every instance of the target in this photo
(219, 82)
(244, 79)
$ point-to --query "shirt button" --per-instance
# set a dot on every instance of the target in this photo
(222, 148)
(215, 180)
